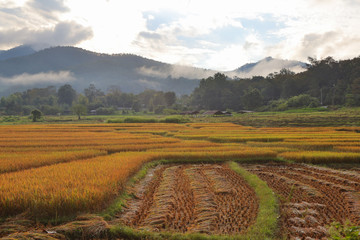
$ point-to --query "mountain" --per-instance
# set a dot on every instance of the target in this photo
(19, 51)
(22, 68)
(78, 67)
(266, 66)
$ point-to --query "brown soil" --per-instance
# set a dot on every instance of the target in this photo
(312, 197)
(192, 198)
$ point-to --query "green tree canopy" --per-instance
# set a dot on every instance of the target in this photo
(79, 109)
(36, 114)
(66, 94)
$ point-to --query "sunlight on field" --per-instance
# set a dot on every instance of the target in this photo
(53, 171)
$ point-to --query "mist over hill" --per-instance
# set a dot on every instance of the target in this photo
(22, 68)
(266, 66)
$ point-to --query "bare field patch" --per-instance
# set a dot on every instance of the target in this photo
(192, 198)
(312, 197)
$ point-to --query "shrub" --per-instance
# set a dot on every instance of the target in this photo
(36, 114)
(139, 120)
(50, 110)
(176, 119)
(115, 121)
(303, 100)
(105, 111)
(169, 111)
(159, 109)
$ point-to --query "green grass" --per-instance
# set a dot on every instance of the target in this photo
(344, 231)
(308, 117)
(265, 226)
(292, 118)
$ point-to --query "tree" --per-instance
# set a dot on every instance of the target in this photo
(81, 99)
(36, 114)
(113, 97)
(12, 104)
(79, 109)
(170, 98)
(210, 93)
(92, 93)
(303, 100)
(353, 95)
(66, 94)
(252, 99)
(136, 106)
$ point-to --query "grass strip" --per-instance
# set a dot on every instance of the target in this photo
(120, 201)
(266, 223)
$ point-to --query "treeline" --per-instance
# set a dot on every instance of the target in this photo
(65, 100)
(325, 82)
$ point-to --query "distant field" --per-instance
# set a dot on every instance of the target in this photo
(297, 118)
(56, 172)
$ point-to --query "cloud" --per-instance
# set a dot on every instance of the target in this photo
(274, 65)
(288, 30)
(337, 44)
(149, 84)
(176, 71)
(29, 79)
(210, 34)
(39, 22)
(49, 5)
(333, 43)
(49, 9)
(64, 33)
(153, 72)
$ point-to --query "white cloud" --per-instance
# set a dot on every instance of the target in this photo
(29, 79)
(305, 28)
(320, 29)
(176, 71)
(228, 58)
(114, 23)
(38, 21)
(64, 33)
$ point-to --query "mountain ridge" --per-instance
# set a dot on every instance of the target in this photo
(18, 51)
(79, 67)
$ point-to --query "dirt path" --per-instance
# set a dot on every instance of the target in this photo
(192, 198)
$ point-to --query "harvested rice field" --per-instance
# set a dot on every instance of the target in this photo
(178, 181)
(194, 198)
(311, 197)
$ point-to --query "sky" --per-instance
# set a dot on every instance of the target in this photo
(219, 35)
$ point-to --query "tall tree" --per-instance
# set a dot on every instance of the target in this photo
(252, 99)
(80, 106)
(92, 93)
(170, 98)
(66, 94)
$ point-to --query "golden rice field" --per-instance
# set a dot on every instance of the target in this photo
(57, 171)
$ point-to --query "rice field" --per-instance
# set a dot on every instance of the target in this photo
(311, 197)
(194, 198)
(54, 172)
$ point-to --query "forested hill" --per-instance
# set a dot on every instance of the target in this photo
(22, 68)
(78, 67)
(326, 82)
